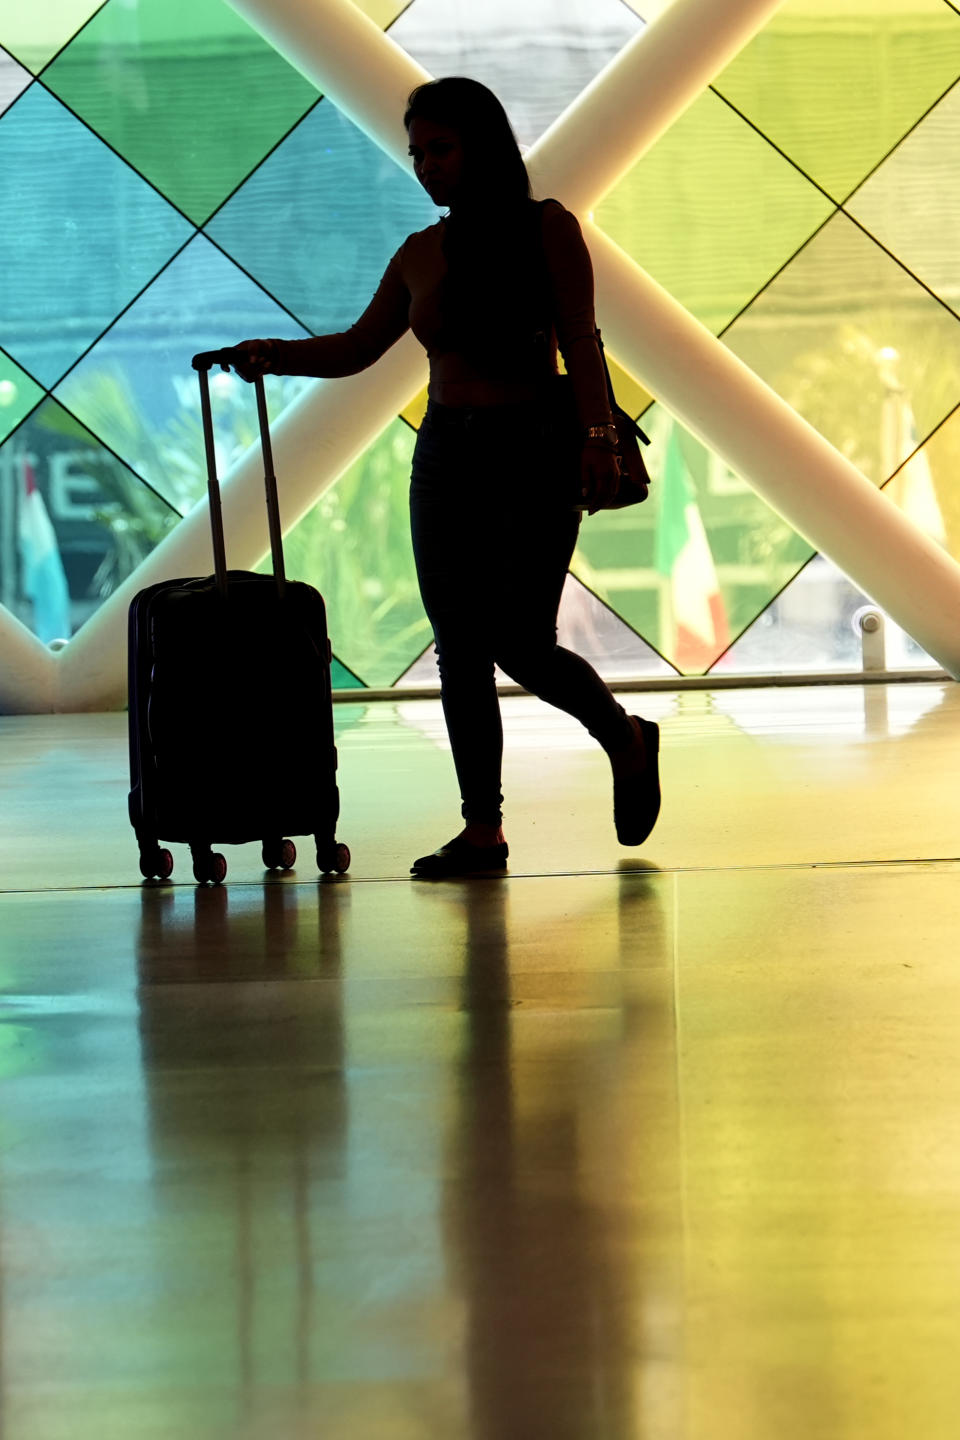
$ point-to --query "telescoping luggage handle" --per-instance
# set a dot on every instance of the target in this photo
(203, 364)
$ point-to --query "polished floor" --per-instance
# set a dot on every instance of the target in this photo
(622, 1146)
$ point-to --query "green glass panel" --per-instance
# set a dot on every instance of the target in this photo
(354, 545)
(712, 211)
(185, 90)
(845, 331)
(34, 33)
(74, 522)
(836, 83)
(18, 395)
(912, 202)
(691, 568)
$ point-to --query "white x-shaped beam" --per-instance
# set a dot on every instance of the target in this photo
(581, 156)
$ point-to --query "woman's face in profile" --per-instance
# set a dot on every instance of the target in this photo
(437, 155)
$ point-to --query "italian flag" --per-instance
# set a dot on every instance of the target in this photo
(43, 580)
(694, 630)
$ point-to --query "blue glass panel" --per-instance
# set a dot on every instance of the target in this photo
(317, 223)
(136, 388)
(74, 522)
(89, 234)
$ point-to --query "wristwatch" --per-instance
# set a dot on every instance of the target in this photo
(605, 433)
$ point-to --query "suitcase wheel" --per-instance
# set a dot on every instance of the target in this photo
(336, 858)
(279, 854)
(156, 863)
(209, 868)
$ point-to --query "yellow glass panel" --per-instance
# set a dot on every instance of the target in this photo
(631, 395)
(912, 202)
(382, 12)
(925, 487)
(836, 83)
(712, 211)
(415, 411)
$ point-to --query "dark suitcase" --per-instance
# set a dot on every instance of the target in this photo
(231, 717)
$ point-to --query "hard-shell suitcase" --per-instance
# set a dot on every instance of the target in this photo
(231, 717)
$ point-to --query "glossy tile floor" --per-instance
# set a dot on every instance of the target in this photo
(657, 1146)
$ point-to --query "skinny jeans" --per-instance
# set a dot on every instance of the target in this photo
(493, 537)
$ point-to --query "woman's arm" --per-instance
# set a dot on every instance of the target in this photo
(331, 356)
(571, 282)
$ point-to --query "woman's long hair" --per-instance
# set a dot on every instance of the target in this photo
(491, 240)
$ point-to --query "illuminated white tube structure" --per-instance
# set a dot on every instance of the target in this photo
(28, 670)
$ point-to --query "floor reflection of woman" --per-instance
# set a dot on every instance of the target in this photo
(490, 291)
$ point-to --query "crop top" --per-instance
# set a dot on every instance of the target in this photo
(409, 297)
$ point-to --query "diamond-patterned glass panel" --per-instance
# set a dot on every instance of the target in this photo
(13, 80)
(89, 234)
(836, 83)
(692, 567)
(343, 679)
(354, 545)
(536, 57)
(18, 395)
(157, 79)
(136, 388)
(925, 487)
(712, 211)
(35, 32)
(74, 522)
(826, 333)
(912, 202)
(320, 219)
(812, 627)
(584, 625)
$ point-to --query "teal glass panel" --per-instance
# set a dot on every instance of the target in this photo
(354, 545)
(535, 58)
(185, 90)
(711, 211)
(74, 522)
(840, 332)
(137, 391)
(89, 234)
(18, 395)
(912, 202)
(836, 85)
(343, 679)
(691, 568)
(318, 222)
(13, 80)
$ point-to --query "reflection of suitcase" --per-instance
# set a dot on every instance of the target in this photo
(231, 718)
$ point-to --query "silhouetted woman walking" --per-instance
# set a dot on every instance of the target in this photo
(490, 291)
